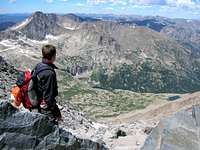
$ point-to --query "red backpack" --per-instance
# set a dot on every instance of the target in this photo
(27, 89)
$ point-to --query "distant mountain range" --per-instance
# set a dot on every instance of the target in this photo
(185, 31)
(145, 54)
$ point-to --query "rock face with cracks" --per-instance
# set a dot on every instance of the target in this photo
(180, 132)
(25, 130)
(8, 75)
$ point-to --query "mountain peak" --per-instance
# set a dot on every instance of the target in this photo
(38, 25)
(73, 17)
(38, 13)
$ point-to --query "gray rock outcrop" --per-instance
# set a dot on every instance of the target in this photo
(25, 130)
(180, 132)
(8, 75)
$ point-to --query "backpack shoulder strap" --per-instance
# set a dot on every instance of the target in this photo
(44, 70)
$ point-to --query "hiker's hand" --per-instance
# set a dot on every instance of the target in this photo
(59, 119)
(44, 105)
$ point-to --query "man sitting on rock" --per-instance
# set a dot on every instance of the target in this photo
(47, 88)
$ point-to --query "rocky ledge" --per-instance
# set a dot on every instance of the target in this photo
(180, 132)
(25, 130)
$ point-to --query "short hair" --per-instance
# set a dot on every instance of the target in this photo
(48, 51)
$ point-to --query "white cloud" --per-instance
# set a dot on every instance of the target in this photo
(118, 2)
(49, 1)
(80, 4)
(125, 2)
(147, 2)
(96, 2)
(196, 13)
(12, 1)
(180, 2)
(112, 2)
(3, 10)
(172, 3)
(110, 8)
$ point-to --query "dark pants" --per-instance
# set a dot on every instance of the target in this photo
(54, 114)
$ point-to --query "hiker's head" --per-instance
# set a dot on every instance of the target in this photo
(49, 52)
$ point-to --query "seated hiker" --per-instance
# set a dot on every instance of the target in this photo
(38, 89)
(47, 88)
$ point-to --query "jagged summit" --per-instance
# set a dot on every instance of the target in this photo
(39, 25)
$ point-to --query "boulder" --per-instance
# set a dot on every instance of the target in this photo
(26, 130)
(179, 132)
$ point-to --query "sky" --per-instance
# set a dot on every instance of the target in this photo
(189, 9)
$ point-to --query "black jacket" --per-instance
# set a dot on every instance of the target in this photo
(46, 82)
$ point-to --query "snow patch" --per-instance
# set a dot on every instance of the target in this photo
(30, 41)
(49, 36)
(133, 27)
(98, 125)
(70, 28)
(7, 43)
(39, 42)
(21, 25)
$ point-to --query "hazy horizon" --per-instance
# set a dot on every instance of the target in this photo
(78, 13)
(187, 9)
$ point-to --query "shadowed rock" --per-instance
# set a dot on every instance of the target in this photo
(25, 130)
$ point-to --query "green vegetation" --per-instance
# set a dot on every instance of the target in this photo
(98, 103)
(101, 76)
(147, 77)
(75, 90)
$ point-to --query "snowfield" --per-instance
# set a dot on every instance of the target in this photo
(23, 24)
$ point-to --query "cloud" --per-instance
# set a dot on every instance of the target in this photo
(147, 2)
(184, 3)
(49, 1)
(96, 2)
(119, 2)
(109, 8)
(80, 4)
(172, 3)
(12, 1)
(125, 2)
(3, 10)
